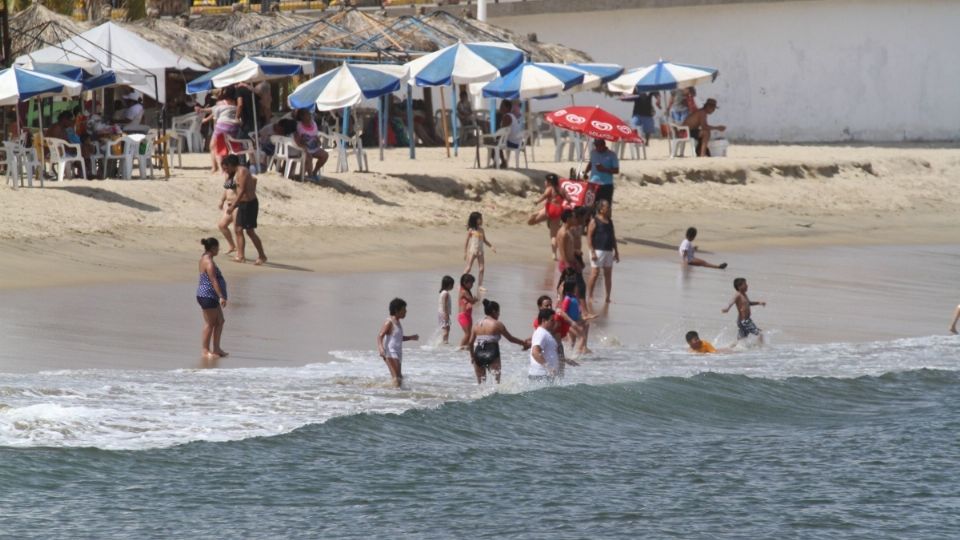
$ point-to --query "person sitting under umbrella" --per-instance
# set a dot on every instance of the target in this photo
(700, 129)
(63, 129)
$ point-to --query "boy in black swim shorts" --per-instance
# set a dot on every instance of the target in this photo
(745, 325)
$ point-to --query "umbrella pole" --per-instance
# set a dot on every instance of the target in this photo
(43, 156)
(493, 115)
(380, 124)
(453, 119)
(256, 131)
(443, 120)
(344, 126)
(410, 131)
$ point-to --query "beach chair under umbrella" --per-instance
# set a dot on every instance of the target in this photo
(20, 84)
(348, 85)
(463, 63)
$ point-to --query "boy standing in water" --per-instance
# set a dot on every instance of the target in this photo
(745, 325)
(390, 339)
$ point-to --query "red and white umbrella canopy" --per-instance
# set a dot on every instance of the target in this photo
(593, 122)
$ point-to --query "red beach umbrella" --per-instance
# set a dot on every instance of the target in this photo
(593, 122)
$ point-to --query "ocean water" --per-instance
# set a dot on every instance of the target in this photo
(843, 425)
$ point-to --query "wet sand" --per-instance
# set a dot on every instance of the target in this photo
(293, 318)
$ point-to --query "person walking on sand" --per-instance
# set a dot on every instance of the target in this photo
(444, 308)
(212, 297)
(465, 306)
(553, 198)
(603, 165)
(473, 246)
(227, 218)
(688, 252)
(247, 206)
(390, 340)
(485, 336)
(745, 325)
(602, 245)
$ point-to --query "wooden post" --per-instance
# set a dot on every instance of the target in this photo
(443, 120)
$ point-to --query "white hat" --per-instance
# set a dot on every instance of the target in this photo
(133, 96)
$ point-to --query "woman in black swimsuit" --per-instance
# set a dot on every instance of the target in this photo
(485, 336)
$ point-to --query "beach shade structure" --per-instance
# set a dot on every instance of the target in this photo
(20, 84)
(463, 63)
(91, 75)
(348, 85)
(663, 75)
(251, 69)
(599, 73)
(532, 80)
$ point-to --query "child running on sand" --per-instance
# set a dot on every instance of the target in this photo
(473, 247)
(390, 339)
(465, 304)
(745, 325)
(444, 308)
(688, 252)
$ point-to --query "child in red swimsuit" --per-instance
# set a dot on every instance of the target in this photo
(465, 303)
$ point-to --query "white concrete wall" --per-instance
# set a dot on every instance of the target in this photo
(831, 70)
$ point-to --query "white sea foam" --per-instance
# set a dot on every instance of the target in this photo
(113, 409)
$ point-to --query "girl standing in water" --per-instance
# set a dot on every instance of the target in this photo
(390, 339)
(486, 334)
(473, 247)
(212, 297)
(465, 306)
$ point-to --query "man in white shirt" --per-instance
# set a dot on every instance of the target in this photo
(133, 114)
(688, 252)
(545, 354)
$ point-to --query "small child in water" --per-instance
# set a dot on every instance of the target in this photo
(390, 339)
(465, 307)
(698, 345)
(444, 308)
(688, 252)
(473, 247)
(745, 325)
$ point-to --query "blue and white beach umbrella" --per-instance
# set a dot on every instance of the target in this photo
(249, 69)
(465, 63)
(347, 86)
(602, 72)
(20, 84)
(92, 76)
(532, 80)
(663, 75)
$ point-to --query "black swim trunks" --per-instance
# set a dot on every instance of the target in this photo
(486, 353)
(746, 327)
(247, 212)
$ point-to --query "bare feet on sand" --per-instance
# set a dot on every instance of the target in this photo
(240, 260)
(260, 260)
(221, 353)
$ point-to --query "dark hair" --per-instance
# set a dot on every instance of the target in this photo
(600, 202)
(545, 315)
(228, 93)
(490, 307)
(506, 105)
(446, 283)
(691, 233)
(474, 220)
(581, 211)
(692, 335)
(738, 282)
(209, 243)
(465, 278)
(231, 160)
(287, 126)
(570, 287)
(567, 274)
(566, 214)
(65, 115)
(542, 298)
(553, 180)
(396, 305)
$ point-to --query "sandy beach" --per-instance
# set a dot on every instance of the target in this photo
(410, 214)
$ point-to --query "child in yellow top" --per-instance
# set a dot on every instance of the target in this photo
(697, 345)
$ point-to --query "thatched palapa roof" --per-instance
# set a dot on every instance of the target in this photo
(37, 27)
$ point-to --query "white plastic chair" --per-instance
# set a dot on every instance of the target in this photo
(636, 149)
(10, 163)
(288, 155)
(679, 137)
(242, 147)
(522, 149)
(121, 151)
(343, 151)
(62, 160)
(495, 143)
(142, 153)
(186, 128)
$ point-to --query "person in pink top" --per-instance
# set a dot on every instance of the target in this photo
(308, 138)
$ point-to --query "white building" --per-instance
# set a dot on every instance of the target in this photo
(793, 71)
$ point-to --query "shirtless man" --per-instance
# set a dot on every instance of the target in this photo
(247, 207)
(700, 129)
(745, 325)
(566, 258)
